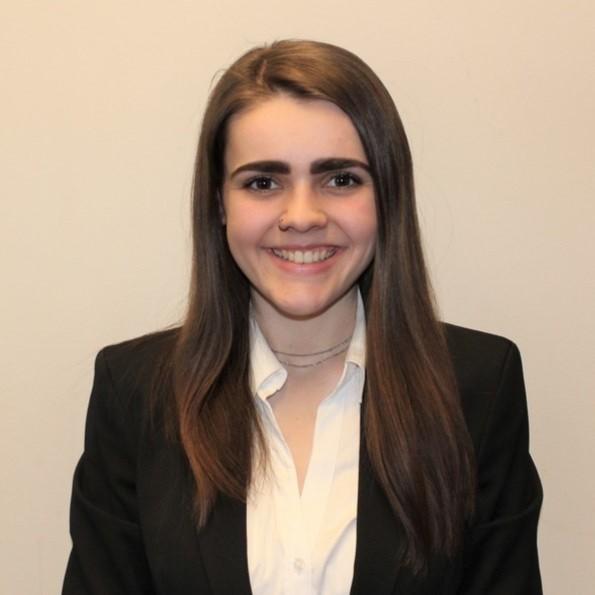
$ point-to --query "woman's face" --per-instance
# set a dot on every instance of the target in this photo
(298, 203)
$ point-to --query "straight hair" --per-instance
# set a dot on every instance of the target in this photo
(415, 435)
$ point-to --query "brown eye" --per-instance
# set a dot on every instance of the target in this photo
(261, 184)
(344, 180)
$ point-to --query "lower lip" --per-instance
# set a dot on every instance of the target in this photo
(311, 268)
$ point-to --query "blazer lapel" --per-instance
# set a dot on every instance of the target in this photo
(223, 547)
(379, 547)
(380, 538)
(222, 544)
(212, 560)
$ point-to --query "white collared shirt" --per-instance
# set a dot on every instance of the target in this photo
(305, 544)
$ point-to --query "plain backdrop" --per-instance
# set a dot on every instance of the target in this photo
(100, 107)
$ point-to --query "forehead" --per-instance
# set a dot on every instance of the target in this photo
(293, 130)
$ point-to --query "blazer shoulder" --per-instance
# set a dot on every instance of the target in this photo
(135, 365)
(478, 357)
(139, 354)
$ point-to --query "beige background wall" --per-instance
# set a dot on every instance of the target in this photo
(100, 104)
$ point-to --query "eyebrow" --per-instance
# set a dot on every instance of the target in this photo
(317, 167)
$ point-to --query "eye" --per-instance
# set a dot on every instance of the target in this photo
(344, 179)
(261, 184)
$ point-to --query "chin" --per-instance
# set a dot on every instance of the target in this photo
(301, 309)
(298, 311)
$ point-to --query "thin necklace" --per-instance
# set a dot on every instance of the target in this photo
(329, 353)
(343, 342)
(317, 362)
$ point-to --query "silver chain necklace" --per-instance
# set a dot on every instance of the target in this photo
(329, 353)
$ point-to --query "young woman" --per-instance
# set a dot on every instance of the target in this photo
(311, 427)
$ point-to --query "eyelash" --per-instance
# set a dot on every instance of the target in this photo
(353, 179)
(248, 184)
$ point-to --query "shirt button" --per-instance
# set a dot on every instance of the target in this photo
(298, 565)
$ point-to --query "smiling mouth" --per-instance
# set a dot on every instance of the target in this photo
(305, 256)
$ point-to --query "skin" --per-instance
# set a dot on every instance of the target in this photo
(313, 194)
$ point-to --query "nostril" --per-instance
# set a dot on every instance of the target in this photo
(301, 218)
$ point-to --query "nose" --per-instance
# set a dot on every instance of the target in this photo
(303, 210)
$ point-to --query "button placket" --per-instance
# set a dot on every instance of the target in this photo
(299, 565)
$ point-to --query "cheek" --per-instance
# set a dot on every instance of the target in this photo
(365, 235)
(238, 244)
(238, 240)
(237, 220)
(363, 226)
(246, 231)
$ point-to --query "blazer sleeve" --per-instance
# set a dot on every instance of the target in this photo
(107, 547)
(501, 556)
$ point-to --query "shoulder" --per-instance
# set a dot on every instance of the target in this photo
(490, 382)
(131, 378)
(479, 358)
(141, 350)
(133, 361)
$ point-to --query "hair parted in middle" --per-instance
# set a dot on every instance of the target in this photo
(415, 435)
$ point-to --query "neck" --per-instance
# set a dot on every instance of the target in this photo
(306, 335)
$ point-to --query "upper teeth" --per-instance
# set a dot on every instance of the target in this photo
(305, 256)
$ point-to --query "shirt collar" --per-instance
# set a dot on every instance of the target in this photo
(267, 375)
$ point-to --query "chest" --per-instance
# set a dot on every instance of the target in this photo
(301, 517)
(215, 560)
(295, 409)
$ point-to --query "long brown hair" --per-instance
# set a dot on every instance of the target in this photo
(414, 430)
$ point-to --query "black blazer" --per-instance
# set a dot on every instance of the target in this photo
(130, 520)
